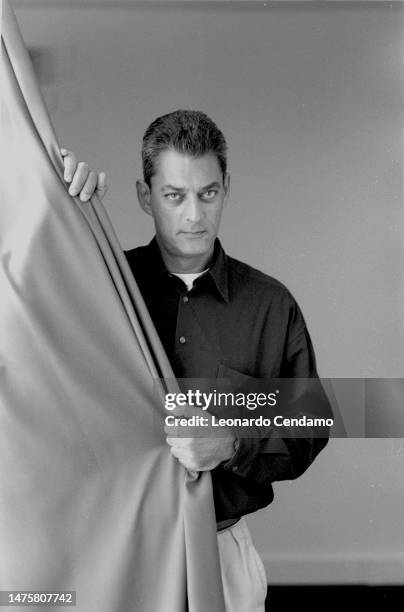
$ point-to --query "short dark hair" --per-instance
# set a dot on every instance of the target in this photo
(185, 131)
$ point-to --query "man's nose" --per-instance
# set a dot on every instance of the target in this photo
(193, 211)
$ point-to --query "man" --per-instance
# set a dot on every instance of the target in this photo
(216, 317)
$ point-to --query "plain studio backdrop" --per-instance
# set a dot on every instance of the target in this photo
(309, 96)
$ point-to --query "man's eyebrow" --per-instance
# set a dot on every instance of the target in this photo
(211, 186)
(215, 184)
(172, 188)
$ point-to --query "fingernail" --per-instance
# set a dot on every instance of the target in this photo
(73, 192)
(68, 178)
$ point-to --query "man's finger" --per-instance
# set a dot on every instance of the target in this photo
(178, 442)
(70, 163)
(79, 178)
(186, 461)
(101, 184)
(170, 441)
(89, 187)
(181, 455)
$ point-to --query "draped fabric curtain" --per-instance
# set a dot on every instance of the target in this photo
(91, 500)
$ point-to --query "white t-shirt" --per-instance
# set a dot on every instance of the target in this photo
(189, 278)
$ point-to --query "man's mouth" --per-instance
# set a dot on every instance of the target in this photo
(196, 234)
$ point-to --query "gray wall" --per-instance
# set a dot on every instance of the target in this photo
(310, 98)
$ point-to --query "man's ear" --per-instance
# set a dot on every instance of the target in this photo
(144, 196)
(226, 185)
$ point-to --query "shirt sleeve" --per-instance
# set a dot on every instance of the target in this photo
(270, 456)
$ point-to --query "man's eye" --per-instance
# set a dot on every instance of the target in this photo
(210, 194)
(173, 196)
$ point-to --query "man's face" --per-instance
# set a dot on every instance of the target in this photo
(186, 200)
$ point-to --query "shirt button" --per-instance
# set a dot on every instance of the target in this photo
(185, 299)
(182, 340)
(234, 468)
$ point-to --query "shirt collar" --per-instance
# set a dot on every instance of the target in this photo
(218, 269)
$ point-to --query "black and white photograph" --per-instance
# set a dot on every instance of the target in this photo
(201, 305)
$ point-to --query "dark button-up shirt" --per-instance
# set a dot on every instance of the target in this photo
(237, 323)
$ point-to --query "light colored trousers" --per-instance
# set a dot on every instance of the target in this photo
(243, 573)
